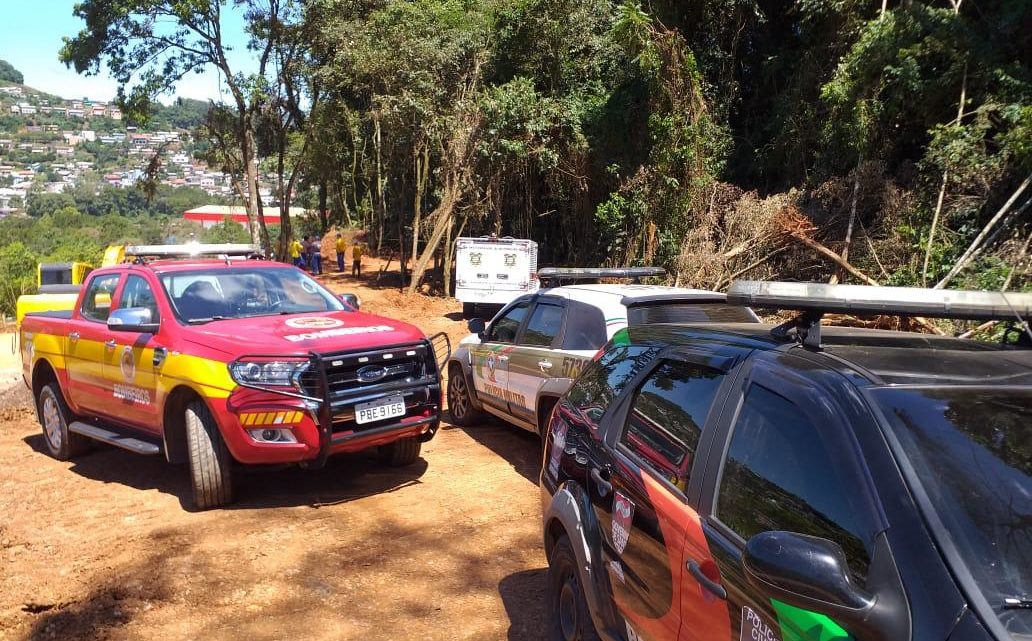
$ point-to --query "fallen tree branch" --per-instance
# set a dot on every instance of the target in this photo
(727, 281)
(859, 275)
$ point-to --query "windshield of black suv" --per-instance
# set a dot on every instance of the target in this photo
(971, 449)
(216, 294)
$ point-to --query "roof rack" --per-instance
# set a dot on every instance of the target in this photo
(190, 250)
(591, 273)
(816, 299)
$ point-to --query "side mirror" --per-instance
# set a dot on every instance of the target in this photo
(351, 300)
(132, 319)
(476, 326)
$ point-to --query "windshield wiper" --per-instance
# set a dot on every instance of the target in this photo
(201, 321)
(1017, 603)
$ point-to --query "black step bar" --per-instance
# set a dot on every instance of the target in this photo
(97, 433)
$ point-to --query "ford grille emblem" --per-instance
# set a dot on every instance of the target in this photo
(371, 373)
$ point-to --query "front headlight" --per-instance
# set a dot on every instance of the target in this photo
(278, 373)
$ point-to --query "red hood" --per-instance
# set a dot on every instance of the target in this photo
(321, 332)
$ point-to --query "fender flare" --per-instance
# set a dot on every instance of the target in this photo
(464, 359)
(570, 509)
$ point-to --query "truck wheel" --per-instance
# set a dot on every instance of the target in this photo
(400, 453)
(460, 403)
(567, 615)
(210, 462)
(54, 417)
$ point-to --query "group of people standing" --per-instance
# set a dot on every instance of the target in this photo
(307, 254)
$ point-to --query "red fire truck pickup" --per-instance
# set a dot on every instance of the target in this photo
(222, 361)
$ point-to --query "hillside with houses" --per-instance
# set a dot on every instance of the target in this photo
(49, 144)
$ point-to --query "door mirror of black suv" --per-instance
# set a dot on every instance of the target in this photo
(477, 326)
(809, 573)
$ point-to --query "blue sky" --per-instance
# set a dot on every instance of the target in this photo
(30, 38)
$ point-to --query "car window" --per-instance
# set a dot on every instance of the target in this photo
(138, 293)
(505, 328)
(779, 475)
(585, 327)
(96, 303)
(543, 326)
(666, 418)
(603, 380)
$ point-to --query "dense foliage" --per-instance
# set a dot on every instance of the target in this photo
(9, 74)
(887, 142)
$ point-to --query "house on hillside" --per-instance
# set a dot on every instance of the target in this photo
(98, 111)
(11, 91)
(27, 109)
(75, 113)
(114, 113)
(59, 111)
(15, 109)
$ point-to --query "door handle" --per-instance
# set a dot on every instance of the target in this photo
(545, 364)
(604, 486)
(74, 336)
(706, 582)
(110, 344)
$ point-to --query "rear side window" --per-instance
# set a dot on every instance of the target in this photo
(543, 326)
(688, 313)
(604, 379)
(585, 327)
(666, 418)
(96, 303)
(780, 475)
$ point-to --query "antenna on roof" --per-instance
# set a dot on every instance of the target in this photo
(816, 299)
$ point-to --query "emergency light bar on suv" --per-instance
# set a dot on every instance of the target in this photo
(817, 299)
(591, 273)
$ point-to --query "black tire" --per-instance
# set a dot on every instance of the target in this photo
(402, 452)
(460, 401)
(211, 474)
(546, 405)
(566, 611)
(469, 310)
(54, 417)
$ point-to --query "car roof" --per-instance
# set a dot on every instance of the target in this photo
(180, 265)
(879, 356)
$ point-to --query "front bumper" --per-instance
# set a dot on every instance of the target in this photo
(322, 418)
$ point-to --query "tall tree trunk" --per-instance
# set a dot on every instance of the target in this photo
(421, 166)
(324, 222)
(852, 220)
(945, 178)
(255, 217)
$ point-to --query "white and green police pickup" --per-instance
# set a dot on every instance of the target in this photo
(518, 365)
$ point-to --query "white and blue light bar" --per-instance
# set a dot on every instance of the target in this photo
(573, 273)
(868, 300)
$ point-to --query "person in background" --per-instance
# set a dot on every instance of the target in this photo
(317, 255)
(356, 257)
(306, 252)
(295, 253)
(341, 247)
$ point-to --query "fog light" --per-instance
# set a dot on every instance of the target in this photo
(273, 436)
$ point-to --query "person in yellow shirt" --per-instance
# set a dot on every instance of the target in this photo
(295, 254)
(341, 249)
(356, 258)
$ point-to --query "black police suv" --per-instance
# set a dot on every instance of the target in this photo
(730, 482)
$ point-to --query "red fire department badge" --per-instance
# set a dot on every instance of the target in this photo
(623, 516)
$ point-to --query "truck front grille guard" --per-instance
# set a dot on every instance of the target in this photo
(438, 345)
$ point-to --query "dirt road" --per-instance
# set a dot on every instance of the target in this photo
(105, 547)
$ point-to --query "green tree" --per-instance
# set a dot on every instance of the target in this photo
(9, 74)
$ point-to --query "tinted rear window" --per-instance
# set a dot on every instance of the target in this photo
(688, 313)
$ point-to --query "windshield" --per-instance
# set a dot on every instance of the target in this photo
(971, 450)
(205, 295)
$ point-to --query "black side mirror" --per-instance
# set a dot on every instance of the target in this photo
(811, 573)
(351, 300)
(476, 325)
(132, 319)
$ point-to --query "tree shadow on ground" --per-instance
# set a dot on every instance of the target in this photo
(345, 477)
(523, 595)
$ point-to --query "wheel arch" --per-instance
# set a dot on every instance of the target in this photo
(173, 422)
(569, 513)
(545, 404)
(467, 374)
(42, 373)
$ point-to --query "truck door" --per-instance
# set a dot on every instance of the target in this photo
(536, 358)
(129, 362)
(640, 497)
(85, 348)
(491, 357)
(790, 465)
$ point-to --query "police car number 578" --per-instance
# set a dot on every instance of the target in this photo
(380, 409)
